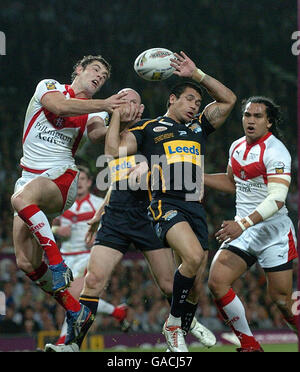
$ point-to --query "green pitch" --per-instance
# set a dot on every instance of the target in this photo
(222, 348)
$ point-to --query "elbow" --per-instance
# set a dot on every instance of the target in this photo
(109, 151)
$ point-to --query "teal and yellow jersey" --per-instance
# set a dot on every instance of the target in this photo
(174, 152)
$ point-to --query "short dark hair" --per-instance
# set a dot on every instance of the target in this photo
(273, 112)
(85, 170)
(86, 60)
(181, 87)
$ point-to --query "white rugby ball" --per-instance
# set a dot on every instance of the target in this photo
(154, 64)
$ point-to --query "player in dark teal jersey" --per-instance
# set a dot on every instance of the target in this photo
(124, 222)
(172, 147)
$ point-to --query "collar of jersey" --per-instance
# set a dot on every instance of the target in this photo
(161, 119)
(260, 140)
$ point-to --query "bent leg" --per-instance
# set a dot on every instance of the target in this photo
(280, 287)
(162, 267)
(101, 264)
(226, 268)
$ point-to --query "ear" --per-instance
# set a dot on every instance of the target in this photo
(269, 125)
(142, 108)
(172, 98)
(79, 70)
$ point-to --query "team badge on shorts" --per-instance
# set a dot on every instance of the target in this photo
(169, 215)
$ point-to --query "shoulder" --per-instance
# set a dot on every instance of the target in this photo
(276, 150)
(273, 144)
(142, 124)
(47, 86)
(50, 84)
(95, 199)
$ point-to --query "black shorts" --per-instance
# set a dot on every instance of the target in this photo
(122, 226)
(165, 213)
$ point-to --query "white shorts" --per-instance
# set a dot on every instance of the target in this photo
(65, 178)
(272, 243)
(77, 263)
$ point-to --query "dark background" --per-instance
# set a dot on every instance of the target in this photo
(245, 45)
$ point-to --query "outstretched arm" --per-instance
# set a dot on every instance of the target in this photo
(216, 112)
(221, 181)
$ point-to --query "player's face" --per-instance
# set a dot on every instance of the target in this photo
(255, 121)
(92, 78)
(184, 108)
(84, 184)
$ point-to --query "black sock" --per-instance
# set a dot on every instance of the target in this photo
(92, 304)
(188, 315)
(181, 288)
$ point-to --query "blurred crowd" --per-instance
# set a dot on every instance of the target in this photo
(29, 310)
(232, 51)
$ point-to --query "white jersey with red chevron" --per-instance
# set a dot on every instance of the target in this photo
(49, 140)
(251, 165)
(77, 216)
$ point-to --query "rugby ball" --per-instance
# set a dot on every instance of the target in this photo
(154, 64)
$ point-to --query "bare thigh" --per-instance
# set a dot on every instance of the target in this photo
(41, 191)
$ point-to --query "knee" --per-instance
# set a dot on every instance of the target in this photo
(24, 264)
(94, 281)
(193, 261)
(166, 285)
(16, 200)
(215, 285)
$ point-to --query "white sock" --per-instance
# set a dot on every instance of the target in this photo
(105, 307)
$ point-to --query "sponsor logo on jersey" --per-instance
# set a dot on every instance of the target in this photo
(159, 129)
(183, 151)
(50, 85)
(119, 168)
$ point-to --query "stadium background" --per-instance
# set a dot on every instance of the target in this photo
(246, 45)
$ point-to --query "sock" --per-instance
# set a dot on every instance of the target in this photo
(105, 307)
(67, 301)
(63, 333)
(188, 315)
(181, 288)
(233, 312)
(42, 276)
(90, 302)
(39, 225)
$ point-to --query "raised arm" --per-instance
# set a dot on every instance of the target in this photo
(58, 104)
(216, 112)
(120, 144)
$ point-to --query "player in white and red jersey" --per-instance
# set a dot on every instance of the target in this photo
(57, 117)
(259, 172)
(71, 227)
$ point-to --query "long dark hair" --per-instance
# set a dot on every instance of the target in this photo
(273, 111)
